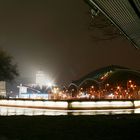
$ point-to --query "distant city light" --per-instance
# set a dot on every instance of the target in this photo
(49, 90)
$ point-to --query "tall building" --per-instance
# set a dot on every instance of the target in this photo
(40, 78)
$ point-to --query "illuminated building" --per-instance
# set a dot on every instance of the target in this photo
(42, 89)
(40, 78)
(29, 92)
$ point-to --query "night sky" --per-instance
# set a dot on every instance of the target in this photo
(54, 36)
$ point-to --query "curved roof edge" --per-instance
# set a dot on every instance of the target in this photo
(101, 71)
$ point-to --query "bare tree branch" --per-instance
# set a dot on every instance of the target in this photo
(99, 23)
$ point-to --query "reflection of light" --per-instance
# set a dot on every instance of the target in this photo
(8, 111)
(137, 111)
(102, 104)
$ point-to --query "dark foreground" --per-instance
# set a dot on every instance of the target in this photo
(70, 127)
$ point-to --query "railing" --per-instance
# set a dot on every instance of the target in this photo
(71, 104)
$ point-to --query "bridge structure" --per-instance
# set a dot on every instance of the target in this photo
(124, 14)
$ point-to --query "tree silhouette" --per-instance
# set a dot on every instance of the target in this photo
(8, 70)
(100, 26)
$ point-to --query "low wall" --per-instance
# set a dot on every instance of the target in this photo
(72, 105)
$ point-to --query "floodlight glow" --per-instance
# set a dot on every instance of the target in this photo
(50, 84)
